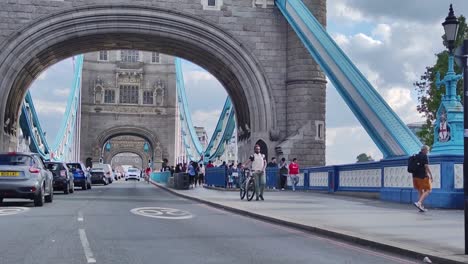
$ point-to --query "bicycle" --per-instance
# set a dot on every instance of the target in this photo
(247, 186)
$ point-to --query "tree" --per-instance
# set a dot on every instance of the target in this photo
(363, 157)
(429, 97)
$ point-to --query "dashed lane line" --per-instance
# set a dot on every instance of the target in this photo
(87, 249)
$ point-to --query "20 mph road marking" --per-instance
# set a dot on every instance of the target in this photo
(87, 249)
(12, 210)
(162, 212)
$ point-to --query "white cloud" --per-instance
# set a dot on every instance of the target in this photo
(42, 76)
(384, 31)
(397, 98)
(206, 119)
(340, 39)
(47, 108)
(341, 151)
(62, 92)
(197, 76)
(342, 11)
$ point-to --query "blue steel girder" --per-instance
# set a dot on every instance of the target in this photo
(386, 129)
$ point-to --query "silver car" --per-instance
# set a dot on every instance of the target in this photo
(24, 175)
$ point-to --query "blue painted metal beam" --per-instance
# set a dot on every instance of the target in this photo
(386, 129)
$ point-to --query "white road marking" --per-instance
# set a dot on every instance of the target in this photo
(162, 212)
(87, 249)
(12, 210)
(80, 216)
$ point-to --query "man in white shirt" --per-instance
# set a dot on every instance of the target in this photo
(258, 164)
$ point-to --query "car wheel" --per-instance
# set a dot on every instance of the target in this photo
(66, 190)
(49, 198)
(39, 199)
(1, 199)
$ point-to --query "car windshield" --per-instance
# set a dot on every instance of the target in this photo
(74, 166)
(132, 170)
(20, 160)
(54, 166)
(97, 169)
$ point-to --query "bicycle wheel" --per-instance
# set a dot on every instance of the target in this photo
(250, 189)
(242, 190)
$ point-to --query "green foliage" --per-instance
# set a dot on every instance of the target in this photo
(429, 97)
(363, 157)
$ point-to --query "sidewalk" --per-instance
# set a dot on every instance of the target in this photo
(396, 227)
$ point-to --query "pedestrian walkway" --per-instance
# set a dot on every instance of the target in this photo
(435, 233)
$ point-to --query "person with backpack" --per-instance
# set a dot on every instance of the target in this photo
(418, 166)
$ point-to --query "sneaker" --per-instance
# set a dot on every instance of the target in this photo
(423, 209)
(419, 206)
(282, 189)
(261, 197)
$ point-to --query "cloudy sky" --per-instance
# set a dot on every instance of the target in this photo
(391, 42)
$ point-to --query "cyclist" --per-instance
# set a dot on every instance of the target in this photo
(147, 174)
(258, 164)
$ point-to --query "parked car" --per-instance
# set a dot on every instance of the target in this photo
(24, 175)
(81, 176)
(107, 171)
(132, 174)
(98, 175)
(63, 176)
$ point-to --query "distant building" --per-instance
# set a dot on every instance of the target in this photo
(202, 136)
(230, 155)
(416, 128)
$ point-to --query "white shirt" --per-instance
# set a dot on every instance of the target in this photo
(258, 162)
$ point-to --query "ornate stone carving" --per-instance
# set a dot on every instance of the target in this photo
(159, 89)
(274, 135)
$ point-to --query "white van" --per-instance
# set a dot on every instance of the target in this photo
(107, 170)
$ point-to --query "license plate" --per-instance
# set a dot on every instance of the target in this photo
(9, 173)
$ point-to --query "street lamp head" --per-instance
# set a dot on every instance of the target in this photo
(451, 29)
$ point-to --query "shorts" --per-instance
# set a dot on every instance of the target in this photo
(422, 184)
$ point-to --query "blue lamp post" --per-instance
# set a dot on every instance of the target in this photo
(448, 128)
(451, 30)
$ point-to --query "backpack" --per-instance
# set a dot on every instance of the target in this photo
(413, 163)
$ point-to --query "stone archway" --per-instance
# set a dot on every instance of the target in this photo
(83, 29)
(142, 164)
(157, 150)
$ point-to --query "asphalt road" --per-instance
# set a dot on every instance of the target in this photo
(98, 226)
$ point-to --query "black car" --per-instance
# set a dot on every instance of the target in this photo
(98, 176)
(63, 177)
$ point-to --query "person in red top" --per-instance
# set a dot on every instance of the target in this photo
(294, 173)
(147, 174)
(210, 164)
